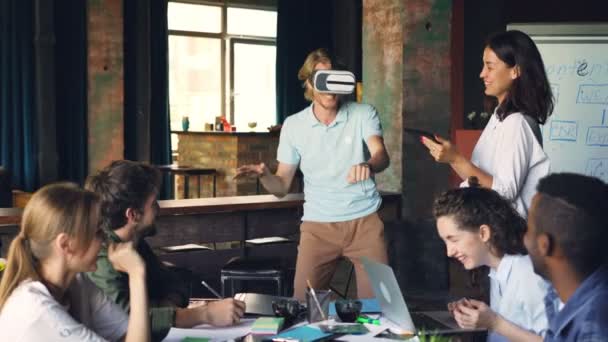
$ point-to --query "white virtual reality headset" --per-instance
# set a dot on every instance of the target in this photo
(333, 81)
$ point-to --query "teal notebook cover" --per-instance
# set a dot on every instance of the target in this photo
(370, 305)
(303, 334)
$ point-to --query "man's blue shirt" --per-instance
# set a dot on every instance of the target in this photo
(585, 315)
(325, 155)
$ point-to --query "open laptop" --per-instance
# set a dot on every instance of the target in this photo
(388, 294)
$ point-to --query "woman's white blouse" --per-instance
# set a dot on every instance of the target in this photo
(517, 294)
(512, 155)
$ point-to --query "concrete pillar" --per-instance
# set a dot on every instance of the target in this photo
(105, 82)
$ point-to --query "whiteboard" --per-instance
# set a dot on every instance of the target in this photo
(576, 135)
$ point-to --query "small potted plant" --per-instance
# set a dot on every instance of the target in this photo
(425, 337)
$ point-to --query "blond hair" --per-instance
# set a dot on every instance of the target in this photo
(315, 57)
(52, 210)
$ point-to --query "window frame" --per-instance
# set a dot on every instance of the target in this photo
(226, 40)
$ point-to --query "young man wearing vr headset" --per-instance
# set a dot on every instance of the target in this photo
(338, 146)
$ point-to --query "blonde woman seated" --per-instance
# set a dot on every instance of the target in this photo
(481, 228)
(44, 296)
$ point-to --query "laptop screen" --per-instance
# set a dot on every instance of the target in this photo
(388, 294)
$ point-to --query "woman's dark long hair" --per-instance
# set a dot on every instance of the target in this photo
(530, 93)
(475, 206)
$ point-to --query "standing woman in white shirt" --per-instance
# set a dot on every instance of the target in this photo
(43, 296)
(481, 228)
(508, 157)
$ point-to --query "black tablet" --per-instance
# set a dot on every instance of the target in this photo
(421, 133)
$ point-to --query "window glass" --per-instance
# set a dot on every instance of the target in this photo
(194, 18)
(254, 86)
(250, 22)
(194, 81)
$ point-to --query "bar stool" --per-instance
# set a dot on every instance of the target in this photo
(250, 268)
(187, 171)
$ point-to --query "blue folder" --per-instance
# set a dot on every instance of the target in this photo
(303, 334)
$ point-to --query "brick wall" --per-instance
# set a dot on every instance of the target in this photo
(224, 152)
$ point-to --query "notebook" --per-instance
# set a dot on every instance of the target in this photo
(267, 325)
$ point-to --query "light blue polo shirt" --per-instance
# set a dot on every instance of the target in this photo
(325, 155)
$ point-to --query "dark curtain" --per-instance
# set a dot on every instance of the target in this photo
(17, 109)
(147, 122)
(136, 84)
(302, 26)
(305, 25)
(160, 129)
(71, 89)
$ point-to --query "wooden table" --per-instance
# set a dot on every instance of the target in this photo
(228, 222)
(239, 218)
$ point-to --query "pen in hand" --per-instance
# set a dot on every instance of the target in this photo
(211, 290)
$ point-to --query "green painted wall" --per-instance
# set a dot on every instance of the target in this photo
(105, 82)
(382, 78)
(406, 75)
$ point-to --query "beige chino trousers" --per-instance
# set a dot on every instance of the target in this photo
(323, 243)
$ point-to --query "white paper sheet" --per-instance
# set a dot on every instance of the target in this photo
(214, 333)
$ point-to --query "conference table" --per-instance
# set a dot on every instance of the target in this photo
(235, 333)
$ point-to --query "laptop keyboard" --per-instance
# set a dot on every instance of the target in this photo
(424, 322)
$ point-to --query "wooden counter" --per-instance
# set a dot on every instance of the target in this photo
(199, 206)
(224, 222)
(178, 212)
(228, 221)
(229, 204)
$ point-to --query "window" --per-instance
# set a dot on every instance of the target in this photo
(222, 61)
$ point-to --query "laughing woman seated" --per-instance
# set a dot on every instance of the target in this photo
(43, 296)
(480, 228)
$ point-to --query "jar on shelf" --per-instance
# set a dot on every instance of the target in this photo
(185, 123)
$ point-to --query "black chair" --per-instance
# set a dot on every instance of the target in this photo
(253, 268)
(344, 294)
